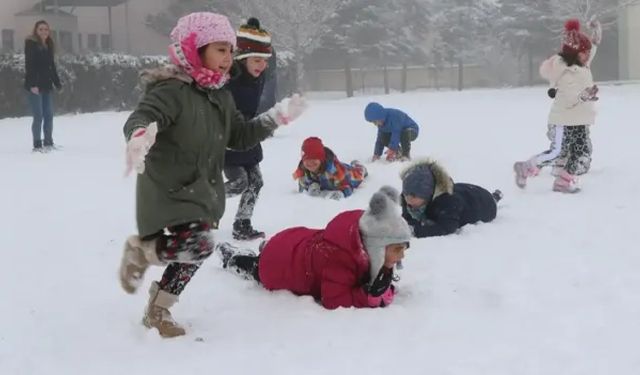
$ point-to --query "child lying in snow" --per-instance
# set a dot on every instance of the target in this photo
(348, 263)
(435, 206)
(320, 173)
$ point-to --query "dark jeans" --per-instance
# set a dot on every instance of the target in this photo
(406, 137)
(42, 110)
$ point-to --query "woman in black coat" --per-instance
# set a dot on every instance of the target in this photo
(436, 206)
(40, 78)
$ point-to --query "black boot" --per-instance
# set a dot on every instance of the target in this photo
(244, 231)
(497, 196)
(226, 251)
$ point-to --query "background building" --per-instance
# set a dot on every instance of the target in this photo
(85, 25)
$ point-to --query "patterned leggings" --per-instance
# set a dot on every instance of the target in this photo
(184, 247)
(246, 181)
(571, 144)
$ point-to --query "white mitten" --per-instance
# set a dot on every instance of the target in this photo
(288, 109)
(314, 190)
(138, 146)
(335, 195)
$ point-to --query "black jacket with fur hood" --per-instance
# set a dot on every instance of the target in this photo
(452, 205)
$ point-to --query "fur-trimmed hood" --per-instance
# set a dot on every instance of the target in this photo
(443, 183)
(150, 77)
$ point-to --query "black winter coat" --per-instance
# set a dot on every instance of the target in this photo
(40, 67)
(246, 91)
(452, 206)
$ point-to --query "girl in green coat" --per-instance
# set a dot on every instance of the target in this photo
(176, 141)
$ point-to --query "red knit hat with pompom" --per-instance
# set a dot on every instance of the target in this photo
(574, 41)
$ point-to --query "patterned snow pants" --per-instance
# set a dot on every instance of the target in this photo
(570, 147)
(184, 247)
(246, 181)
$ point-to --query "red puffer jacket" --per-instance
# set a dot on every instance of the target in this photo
(331, 264)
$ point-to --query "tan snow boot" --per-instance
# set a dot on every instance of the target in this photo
(137, 257)
(157, 313)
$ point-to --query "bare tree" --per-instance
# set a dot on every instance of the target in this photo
(585, 10)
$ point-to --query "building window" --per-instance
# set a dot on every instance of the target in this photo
(92, 42)
(80, 42)
(105, 42)
(66, 41)
(7, 40)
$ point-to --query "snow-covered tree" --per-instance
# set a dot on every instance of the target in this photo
(525, 28)
(584, 10)
(379, 32)
(463, 27)
(296, 25)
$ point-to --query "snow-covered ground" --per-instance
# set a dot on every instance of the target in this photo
(551, 287)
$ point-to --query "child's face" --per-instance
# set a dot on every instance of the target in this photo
(377, 123)
(256, 65)
(313, 165)
(217, 57)
(394, 253)
(414, 202)
(583, 57)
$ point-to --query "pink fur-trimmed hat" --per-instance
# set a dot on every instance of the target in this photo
(208, 28)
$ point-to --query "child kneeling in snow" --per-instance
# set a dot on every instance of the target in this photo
(349, 263)
(396, 131)
(434, 206)
(320, 173)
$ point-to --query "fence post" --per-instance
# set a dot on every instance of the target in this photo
(404, 77)
(348, 77)
(386, 79)
(460, 74)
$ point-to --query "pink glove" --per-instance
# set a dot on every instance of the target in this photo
(288, 109)
(138, 146)
(383, 300)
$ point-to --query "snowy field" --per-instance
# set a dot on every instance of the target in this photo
(551, 287)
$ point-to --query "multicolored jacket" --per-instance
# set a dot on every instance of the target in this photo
(333, 175)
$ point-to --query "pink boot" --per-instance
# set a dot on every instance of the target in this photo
(524, 169)
(566, 183)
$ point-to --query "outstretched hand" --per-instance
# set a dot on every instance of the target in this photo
(138, 148)
(288, 109)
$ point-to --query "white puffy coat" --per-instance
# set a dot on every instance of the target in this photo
(570, 81)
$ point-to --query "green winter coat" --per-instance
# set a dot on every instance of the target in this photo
(182, 181)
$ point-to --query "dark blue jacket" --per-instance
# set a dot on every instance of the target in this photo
(394, 122)
(246, 91)
(451, 207)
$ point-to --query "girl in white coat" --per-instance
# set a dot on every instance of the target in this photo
(572, 112)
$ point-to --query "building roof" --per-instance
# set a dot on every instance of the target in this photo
(85, 3)
(36, 11)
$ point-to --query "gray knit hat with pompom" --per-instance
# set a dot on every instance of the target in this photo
(381, 225)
